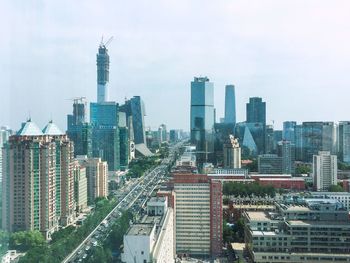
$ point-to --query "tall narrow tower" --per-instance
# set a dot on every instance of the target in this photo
(102, 61)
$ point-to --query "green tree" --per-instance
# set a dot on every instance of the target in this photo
(25, 240)
(336, 188)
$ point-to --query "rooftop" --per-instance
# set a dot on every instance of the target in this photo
(143, 229)
(261, 216)
(29, 128)
(52, 129)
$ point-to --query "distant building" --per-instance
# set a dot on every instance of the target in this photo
(232, 154)
(80, 187)
(325, 168)
(105, 133)
(198, 215)
(256, 111)
(342, 197)
(162, 134)
(102, 62)
(230, 104)
(175, 135)
(344, 141)
(318, 136)
(78, 129)
(270, 144)
(97, 177)
(289, 131)
(286, 150)
(38, 182)
(202, 118)
(269, 164)
(152, 239)
(124, 141)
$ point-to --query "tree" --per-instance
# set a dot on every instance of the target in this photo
(336, 188)
(303, 169)
(25, 240)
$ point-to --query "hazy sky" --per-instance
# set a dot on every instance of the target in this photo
(293, 53)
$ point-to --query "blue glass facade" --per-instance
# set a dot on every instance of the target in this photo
(289, 131)
(256, 111)
(105, 133)
(230, 104)
(202, 117)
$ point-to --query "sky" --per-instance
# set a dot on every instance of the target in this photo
(295, 54)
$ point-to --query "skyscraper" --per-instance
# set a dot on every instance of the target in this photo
(318, 136)
(202, 117)
(325, 168)
(105, 133)
(230, 104)
(38, 183)
(256, 111)
(78, 129)
(344, 141)
(286, 150)
(102, 61)
(289, 131)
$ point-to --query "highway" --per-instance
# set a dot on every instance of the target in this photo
(140, 191)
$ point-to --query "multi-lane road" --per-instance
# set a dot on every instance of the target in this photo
(133, 196)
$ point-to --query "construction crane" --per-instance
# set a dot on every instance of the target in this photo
(107, 42)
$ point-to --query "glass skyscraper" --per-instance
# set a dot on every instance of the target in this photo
(105, 133)
(344, 141)
(289, 131)
(78, 130)
(256, 111)
(202, 117)
(230, 104)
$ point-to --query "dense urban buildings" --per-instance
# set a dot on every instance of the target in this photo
(312, 230)
(230, 104)
(198, 215)
(80, 187)
(38, 182)
(202, 118)
(325, 169)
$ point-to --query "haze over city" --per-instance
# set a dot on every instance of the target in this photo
(293, 54)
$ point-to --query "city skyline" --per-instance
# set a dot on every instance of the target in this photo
(49, 56)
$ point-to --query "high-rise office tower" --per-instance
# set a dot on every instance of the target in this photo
(97, 177)
(325, 168)
(78, 129)
(230, 104)
(286, 150)
(102, 61)
(256, 111)
(135, 112)
(198, 215)
(344, 141)
(38, 183)
(124, 141)
(202, 118)
(299, 142)
(318, 136)
(270, 146)
(232, 153)
(105, 133)
(162, 133)
(289, 131)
